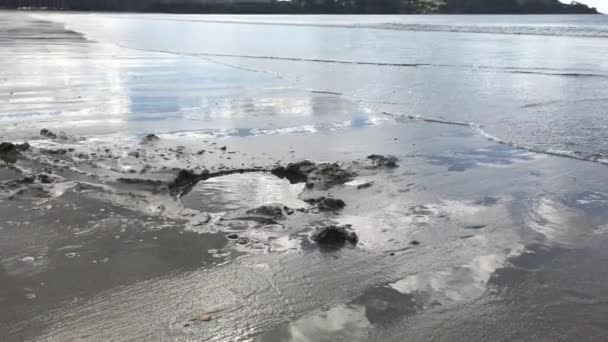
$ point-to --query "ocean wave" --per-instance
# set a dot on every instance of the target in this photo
(477, 128)
(431, 120)
(486, 68)
(198, 134)
(217, 57)
(564, 74)
(317, 60)
(536, 30)
(213, 57)
(558, 102)
(599, 31)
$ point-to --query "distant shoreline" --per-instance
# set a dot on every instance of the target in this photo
(313, 7)
(277, 13)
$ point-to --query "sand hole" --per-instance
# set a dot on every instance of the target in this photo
(243, 191)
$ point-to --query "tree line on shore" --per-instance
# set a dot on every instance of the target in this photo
(311, 6)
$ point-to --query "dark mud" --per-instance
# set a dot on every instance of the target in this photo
(150, 138)
(383, 161)
(316, 176)
(327, 204)
(10, 148)
(9, 152)
(330, 234)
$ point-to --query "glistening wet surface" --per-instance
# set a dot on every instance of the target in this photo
(242, 191)
(182, 196)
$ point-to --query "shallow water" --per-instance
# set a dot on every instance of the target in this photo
(243, 191)
(483, 232)
(538, 81)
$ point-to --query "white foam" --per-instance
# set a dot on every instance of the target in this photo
(479, 129)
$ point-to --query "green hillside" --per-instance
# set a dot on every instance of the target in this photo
(513, 6)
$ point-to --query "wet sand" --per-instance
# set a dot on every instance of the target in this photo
(110, 234)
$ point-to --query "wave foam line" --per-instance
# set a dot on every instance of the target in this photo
(506, 70)
(595, 158)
